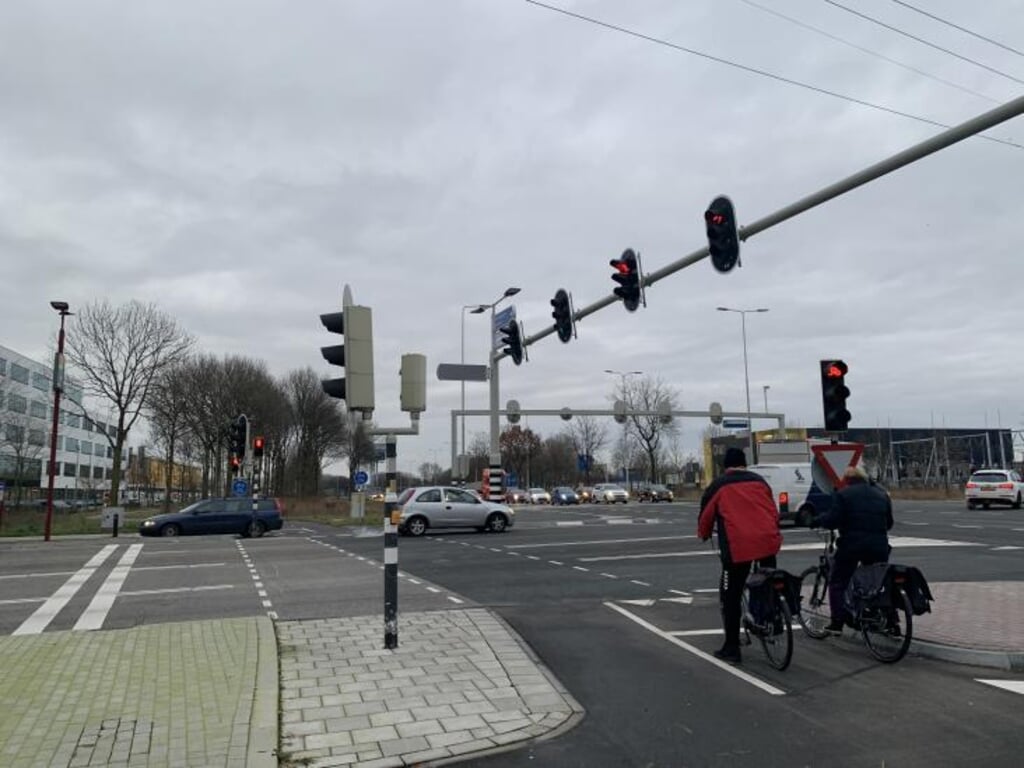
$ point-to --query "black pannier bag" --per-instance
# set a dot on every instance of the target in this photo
(875, 584)
(761, 586)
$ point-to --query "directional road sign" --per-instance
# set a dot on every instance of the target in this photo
(240, 487)
(501, 319)
(735, 424)
(458, 372)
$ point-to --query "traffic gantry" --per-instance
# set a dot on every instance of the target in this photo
(833, 395)
(355, 355)
(562, 313)
(723, 235)
(627, 275)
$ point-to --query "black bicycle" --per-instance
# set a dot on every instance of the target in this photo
(883, 614)
(767, 615)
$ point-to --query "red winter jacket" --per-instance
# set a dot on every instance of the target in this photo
(741, 504)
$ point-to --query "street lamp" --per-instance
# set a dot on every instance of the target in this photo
(475, 309)
(494, 460)
(746, 376)
(58, 386)
(765, 388)
(625, 423)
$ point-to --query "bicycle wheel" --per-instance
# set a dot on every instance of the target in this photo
(777, 640)
(814, 609)
(887, 632)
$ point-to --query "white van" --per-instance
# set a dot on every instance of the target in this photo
(797, 496)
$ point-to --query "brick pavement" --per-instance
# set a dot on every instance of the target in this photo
(981, 615)
(459, 682)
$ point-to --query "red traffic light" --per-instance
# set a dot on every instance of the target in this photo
(623, 267)
(836, 370)
(257, 443)
(236, 462)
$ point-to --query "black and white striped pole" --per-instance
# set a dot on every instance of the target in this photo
(391, 515)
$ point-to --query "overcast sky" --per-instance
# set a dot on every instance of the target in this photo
(239, 162)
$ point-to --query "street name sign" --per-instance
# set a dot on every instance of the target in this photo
(460, 372)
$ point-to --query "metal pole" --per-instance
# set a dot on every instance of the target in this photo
(390, 545)
(462, 360)
(746, 381)
(494, 461)
(764, 388)
(58, 386)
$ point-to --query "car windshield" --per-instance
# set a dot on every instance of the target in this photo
(405, 495)
(989, 477)
(537, 490)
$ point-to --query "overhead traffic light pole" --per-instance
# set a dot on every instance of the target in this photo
(942, 140)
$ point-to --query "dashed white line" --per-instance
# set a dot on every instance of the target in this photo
(456, 600)
(435, 590)
(514, 554)
(609, 575)
(556, 562)
(532, 557)
(581, 568)
(641, 583)
(171, 590)
(414, 581)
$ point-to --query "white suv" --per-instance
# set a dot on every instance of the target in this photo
(994, 486)
(609, 493)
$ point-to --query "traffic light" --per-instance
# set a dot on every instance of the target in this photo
(833, 395)
(563, 315)
(627, 275)
(723, 237)
(239, 435)
(512, 341)
(355, 355)
(236, 465)
(257, 447)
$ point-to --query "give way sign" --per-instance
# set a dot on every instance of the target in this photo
(831, 460)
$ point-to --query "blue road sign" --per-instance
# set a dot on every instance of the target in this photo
(735, 424)
(361, 478)
(501, 319)
(240, 486)
(512, 480)
(583, 461)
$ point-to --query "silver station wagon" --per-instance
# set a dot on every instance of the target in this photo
(441, 506)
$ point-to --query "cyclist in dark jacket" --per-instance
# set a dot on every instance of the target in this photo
(862, 513)
(740, 505)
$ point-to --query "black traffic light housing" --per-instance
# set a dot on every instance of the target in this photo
(627, 275)
(238, 435)
(257, 447)
(833, 395)
(723, 234)
(563, 315)
(236, 465)
(512, 341)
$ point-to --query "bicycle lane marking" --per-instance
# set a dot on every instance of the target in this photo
(96, 612)
(732, 670)
(46, 613)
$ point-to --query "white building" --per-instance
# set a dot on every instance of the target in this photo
(84, 462)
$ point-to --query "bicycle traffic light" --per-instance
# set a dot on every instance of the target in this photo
(563, 315)
(512, 341)
(257, 447)
(355, 355)
(238, 434)
(833, 395)
(627, 275)
(236, 465)
(723, 236)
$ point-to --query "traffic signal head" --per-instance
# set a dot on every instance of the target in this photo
(562, 314)
(627, 275)
(355, 355)
(833, 395)
(238, 431)
(236, 465)
(723, 236)
(512, 341)
(257, 447)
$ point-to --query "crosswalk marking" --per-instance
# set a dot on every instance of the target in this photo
(46, 612)
(96, 613)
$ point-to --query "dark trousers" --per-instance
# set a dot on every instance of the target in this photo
(843, 566)
(730, 596)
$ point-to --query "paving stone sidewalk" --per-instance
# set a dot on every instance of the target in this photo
(460, 682)
(164, 695)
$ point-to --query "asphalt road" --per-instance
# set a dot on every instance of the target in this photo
(619, 602)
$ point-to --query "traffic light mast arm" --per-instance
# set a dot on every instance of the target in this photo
(927, 147)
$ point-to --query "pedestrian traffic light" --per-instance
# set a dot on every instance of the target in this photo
(236, 465)
(257, 447)
(355, 355)
(627, 275)
(723, 237)
(563, 315)
(833, 395)
(512, 341)
(238, 433)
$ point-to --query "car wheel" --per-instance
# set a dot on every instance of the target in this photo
(170, 530)
(497, 522)
(985, 505)
(970, 505)
(1016, 503)
(255, 529)
(416, 526)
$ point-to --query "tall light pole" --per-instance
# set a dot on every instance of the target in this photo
(58, 387)
(765, 388)
(746, 375)
(475, 309)
(625, 424)
(494, 460)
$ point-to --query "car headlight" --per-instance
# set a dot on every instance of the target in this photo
(148, 523)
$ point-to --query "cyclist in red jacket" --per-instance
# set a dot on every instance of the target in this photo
(739, 505)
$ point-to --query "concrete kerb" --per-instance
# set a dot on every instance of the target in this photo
(975, 657)
(263, 727)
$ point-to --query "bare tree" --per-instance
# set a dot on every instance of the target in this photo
(650, 394)
(22, 438)
(319, 428)
(118, 352)
(519, 447)
(168, 424)
(558, 465)
(588, 436)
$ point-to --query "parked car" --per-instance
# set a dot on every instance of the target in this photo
(610, 493)
(425, 507)
(517, 496)
(994, 486)
(585, 494)
(228, 515)
(563, 494)
(654, 492)
(539, 496)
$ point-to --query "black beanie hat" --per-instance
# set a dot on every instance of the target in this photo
(734, 457)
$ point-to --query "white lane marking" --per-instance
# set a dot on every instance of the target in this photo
(679, 592)
(1014, 686)
(599, 541)
(258, 584)
(46, 612)
(644, 602)
(433, 589)
(907, 522)
(619, 521)
(532, 557)
(556, 562)
(961, 525)
(694, 632)
(267, 604)
(1017, 529)
(262, 593)
(569, 523)
(708, 589)
(171, 590)
(96, 612)
(761, 684)
(272, 615)
(20, 600)
(641, 583)
(172, 567)
(414, 581)
(514, 554)
(680, 600)
(1005, 548)
(581, 568)
(495, 549)
(609, 575)
(455, 600)
(42, 575)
